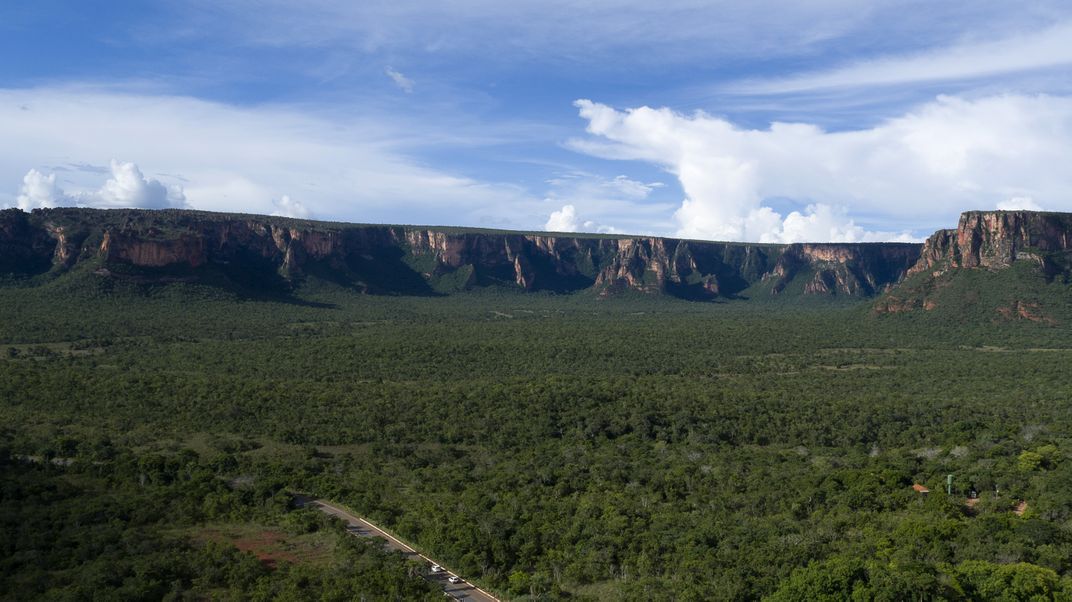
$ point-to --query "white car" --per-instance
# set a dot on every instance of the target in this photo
(436, 568)
(454, 579)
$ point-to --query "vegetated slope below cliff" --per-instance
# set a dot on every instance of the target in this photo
(995, 266)
(262, 253)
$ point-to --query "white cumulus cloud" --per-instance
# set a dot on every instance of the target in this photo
(821, 222)
(127, 187)
(625, 202)
(39, 191)
(923, 167)
(563, 220)
(288, 207)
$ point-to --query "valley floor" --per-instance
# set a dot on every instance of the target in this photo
(549, 447)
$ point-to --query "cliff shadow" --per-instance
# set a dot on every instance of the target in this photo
(25, 251)
(380, 271)
(696, 292)
(547, 276)
(252, 278)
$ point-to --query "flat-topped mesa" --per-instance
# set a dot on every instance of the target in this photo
(418, 260)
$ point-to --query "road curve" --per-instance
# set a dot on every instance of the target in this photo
(463, 590)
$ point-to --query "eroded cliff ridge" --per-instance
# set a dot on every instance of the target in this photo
(171, 244)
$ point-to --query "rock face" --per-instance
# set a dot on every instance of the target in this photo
(987, 240)
(995, 240)
(854, 269)
(128, 247)
(412, 260)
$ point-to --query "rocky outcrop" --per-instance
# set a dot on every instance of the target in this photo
(152, 251)
(400, 259)
(985, 240)
(995, 240)
(938, 253)
(849, 269)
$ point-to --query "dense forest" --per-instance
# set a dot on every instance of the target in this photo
(546, 446)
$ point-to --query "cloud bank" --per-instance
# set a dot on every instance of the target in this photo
(946, 156)
(237, 158)
(127, 187)
(1019, 203)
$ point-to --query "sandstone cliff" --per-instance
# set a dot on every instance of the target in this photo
(996, 239)
(855, 269)
(985, 240)
(414, 260)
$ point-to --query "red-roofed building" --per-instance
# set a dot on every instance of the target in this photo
(921, 488)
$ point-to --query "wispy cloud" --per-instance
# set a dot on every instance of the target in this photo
(585, 32)
(241, 158)
(1040, 49)
(580, 201)
(404, 83)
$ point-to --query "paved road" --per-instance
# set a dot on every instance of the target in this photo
(358, 526)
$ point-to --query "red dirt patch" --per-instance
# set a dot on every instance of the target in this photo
(269, 545)
(262, 544)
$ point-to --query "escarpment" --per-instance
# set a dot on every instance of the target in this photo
(992, 241)
(414, 260)
(384, 259)
(997, 239)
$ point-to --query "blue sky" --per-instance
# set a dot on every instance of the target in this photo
(761, 120)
